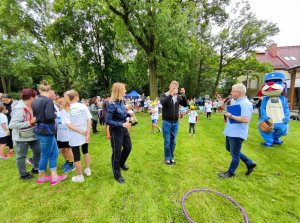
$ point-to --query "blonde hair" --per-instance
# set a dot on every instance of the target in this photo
(44, 86)
(71, 94)
(64, 103)
(174, 83)
(117, 91)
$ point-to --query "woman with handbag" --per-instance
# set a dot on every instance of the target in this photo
(44, 111)
(22, 124)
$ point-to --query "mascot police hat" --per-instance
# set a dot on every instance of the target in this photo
(274, 76)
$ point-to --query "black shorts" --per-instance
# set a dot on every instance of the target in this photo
(3, 140)
(62, 145)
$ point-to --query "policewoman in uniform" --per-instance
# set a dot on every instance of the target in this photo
(116, 118)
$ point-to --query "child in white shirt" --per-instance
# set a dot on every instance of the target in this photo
(132, 119)
(4, 131)
(154, 117)
(193, 118)
(208, 107)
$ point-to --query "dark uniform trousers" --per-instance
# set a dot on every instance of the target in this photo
(119, 138)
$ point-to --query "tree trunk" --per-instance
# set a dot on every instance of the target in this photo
(153, 78)
(9, 85)
(199, 81)
(4, 84)
(220, 69)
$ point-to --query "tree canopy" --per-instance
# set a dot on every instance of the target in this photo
(89, 45)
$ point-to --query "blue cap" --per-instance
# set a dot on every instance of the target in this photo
(275, 76)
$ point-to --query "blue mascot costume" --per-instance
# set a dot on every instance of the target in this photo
(274, 108)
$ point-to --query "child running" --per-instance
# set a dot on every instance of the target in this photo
(154, 117)
(208, 107)
(193, 118)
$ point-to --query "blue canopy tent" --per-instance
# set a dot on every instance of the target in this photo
(133, 94)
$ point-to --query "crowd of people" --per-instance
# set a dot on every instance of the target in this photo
(49, 125)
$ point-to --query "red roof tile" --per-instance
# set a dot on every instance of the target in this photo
(281, 60)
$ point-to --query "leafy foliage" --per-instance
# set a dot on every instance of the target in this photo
(89, 45)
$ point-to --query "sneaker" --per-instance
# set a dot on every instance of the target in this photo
(173, 162)
(6, 156)
(226, 175)
(34, 171)
(168, 162)
(43, 180)
(250, 169)
(87, 171)
(159, 129)
(27, 176)
(30, 161)
(59, 178)
(66, 164)
(69, 169)
(78, 179)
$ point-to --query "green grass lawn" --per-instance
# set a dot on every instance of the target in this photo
(153, 191)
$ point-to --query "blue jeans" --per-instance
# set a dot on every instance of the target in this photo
(234, 146)
(49, 152)
(170, 131)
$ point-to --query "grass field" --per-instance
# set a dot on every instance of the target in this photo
(153, 191)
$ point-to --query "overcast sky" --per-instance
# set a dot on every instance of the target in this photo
(285, 13)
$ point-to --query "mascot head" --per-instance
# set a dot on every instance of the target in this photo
(274, 84)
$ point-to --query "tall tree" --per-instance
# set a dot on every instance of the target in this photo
(240, 35)
(159, 28)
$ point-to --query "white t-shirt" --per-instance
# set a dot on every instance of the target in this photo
(208, 107)
(154, 115)
(78, 116)
(131, 118)
(62, 129)
(215, 104)
(192, 116)
(3, 120)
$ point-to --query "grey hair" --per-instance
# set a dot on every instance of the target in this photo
(241, 88)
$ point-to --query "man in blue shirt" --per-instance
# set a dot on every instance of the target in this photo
(236, 131)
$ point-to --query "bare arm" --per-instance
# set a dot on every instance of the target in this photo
(73, 128)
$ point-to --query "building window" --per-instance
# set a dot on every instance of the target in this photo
(290, 58)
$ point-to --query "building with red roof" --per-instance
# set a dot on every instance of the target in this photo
(285, 59)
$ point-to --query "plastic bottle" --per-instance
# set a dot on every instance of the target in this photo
(58, 120)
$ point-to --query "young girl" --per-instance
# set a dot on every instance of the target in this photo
(132, 119)
(154, 117)
(7, 102)
(79, 123)
(193, 118)
(43, 110)
(63, 134)
(208, 108)
(4, 131)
